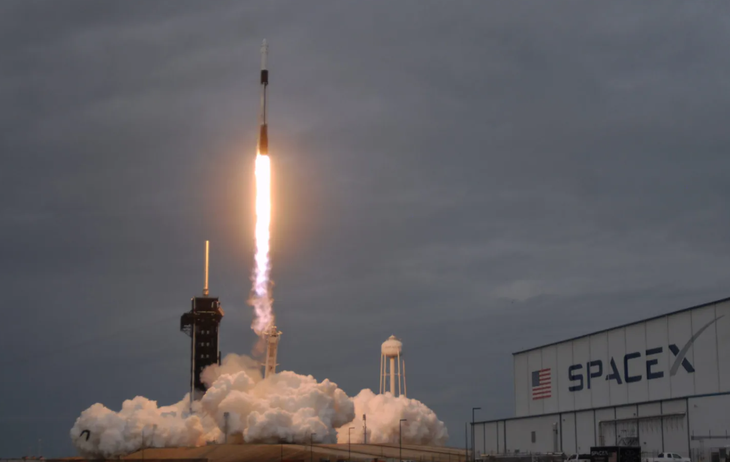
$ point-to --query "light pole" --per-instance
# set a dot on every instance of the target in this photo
(311, 451)
(400, 439)
(348, 443)
(473, 447)
(466, 441)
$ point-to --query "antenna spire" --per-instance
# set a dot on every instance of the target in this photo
(205, 289)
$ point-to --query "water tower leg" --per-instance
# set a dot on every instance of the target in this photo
(392, 374)
(380, 378)
(405, 388)
(399, 376)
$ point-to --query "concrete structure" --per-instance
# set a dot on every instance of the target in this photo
(390, 354)
(662, 383)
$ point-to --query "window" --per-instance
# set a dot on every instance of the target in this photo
(661, 456)
(533, 437)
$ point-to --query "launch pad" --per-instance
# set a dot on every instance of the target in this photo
(305, 452)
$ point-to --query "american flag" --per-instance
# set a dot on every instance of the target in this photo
(541, 384)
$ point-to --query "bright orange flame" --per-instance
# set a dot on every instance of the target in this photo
(262, 300)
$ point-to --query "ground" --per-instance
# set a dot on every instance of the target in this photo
(303, 453)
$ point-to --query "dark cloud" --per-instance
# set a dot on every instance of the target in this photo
(476, 178)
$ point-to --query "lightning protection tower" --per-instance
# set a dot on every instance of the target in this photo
(201, 325)
(391, 352)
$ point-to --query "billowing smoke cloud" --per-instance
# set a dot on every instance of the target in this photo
(232, 364)
(286, 407)
(100, 431)
(383, 414)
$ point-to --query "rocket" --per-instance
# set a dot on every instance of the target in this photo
(263, 131)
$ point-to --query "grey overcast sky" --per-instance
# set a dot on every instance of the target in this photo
(474, 177)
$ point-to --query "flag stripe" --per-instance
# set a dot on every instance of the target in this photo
(541, 384)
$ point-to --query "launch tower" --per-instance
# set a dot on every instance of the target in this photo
(272, 345)
(201, 325)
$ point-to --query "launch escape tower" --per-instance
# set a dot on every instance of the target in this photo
(201, 325)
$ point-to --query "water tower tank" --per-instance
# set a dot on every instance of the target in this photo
(392, 347)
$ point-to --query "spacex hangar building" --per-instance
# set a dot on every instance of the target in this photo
(662, 383)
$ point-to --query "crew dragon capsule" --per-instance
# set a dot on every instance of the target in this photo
(263, 131)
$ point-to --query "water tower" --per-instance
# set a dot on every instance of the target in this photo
(390, 352)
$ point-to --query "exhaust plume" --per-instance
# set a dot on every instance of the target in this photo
(261, 296)
(284, 408)
(383, 414)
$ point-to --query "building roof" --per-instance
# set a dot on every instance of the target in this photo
(624, 325)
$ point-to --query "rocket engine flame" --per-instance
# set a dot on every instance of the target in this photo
(264, 316)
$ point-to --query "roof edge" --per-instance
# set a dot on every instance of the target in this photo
(623, 325)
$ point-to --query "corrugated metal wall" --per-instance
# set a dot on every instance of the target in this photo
(679, 425)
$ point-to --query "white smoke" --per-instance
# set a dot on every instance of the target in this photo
(286, 407)
(99, 431)
(232, 364)
(383, 414)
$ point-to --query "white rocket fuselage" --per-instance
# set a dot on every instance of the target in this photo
(263, 129)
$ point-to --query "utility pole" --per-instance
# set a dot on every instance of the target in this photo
(349, 453)
(400, 439)
(226, 416)
(473, 447)
(311, 450)
(466, 441)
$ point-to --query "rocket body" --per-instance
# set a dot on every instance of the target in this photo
(263, 130)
